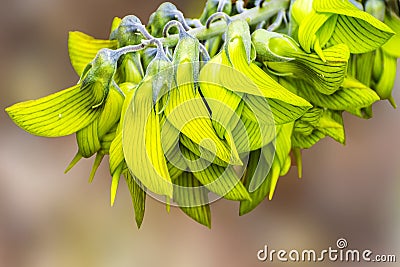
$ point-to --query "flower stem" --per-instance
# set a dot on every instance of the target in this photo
(253, 16)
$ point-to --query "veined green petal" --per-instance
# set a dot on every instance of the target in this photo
(187, 112)
(222, 102)
(190, 196)
(111, 113)
(258, 176)
(312, 116)
(88, 140)
(283, 142)
(310, 25)
(201, 151)
(348, 9)
(331, 124)
(249, 135)
(83, 48)
(220, 180)
(116, 151)
(353, 95)
(169, 136)
(359, 35)
(303, 127)
(138, 195)
(326, 76)
(114, 184)
(306, 141)
(58, 114)
(360, 31)
(141, 141)
(176, 162)
(263, 84)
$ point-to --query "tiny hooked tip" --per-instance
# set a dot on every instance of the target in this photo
(179, 16)
(142, 29)
(171, 24)
(160, 48)
(218, 15)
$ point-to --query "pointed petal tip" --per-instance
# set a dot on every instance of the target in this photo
(392, 102)
(73, 162)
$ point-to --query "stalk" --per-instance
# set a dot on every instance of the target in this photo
(253, 16)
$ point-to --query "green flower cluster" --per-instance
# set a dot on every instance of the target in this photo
(221, 104)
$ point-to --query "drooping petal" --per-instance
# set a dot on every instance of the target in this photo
(220, 180)
(192, 198)
(58, 114)
(141, 140)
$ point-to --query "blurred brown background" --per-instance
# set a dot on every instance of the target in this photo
(51, 219)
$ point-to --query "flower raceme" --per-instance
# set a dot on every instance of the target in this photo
(192, 110)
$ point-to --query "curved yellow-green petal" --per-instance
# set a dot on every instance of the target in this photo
(58, 114)
(258, 176)
(88, 140)
(191, 196)
(141, 141)
(187, 112)
(220, 180)
(360, 31)
(249, 135)
(83, 48)
(353, 95)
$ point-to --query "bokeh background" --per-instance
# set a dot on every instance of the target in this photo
(51, 219)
